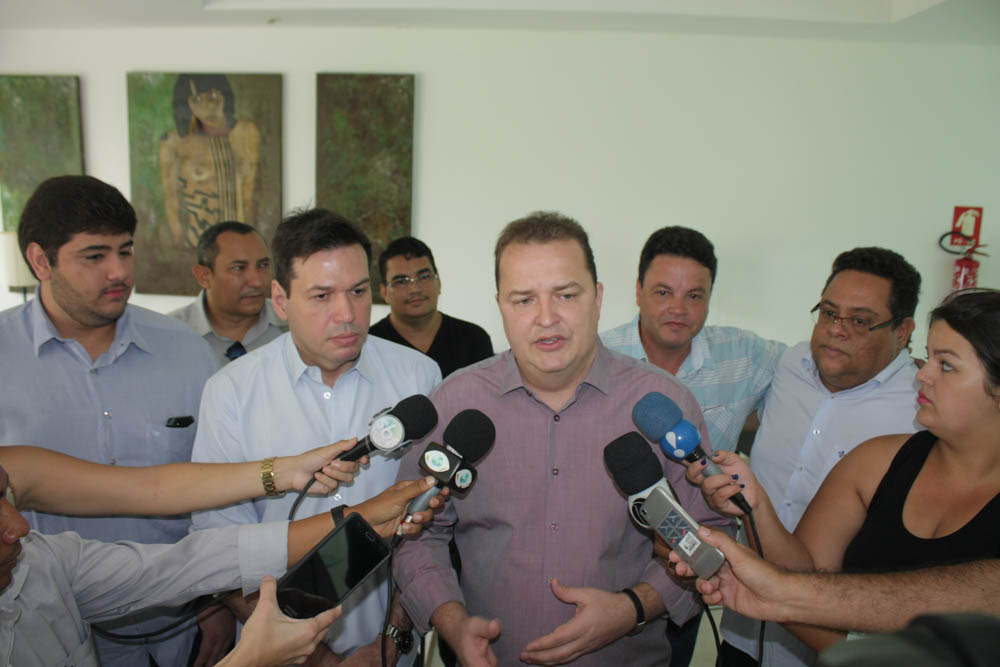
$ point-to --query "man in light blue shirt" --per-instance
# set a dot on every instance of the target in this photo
(727, 369)
(854, 380)
(319, 383)
(232, 312)
(88, 375)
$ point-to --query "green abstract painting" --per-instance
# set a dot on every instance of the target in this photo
(203, 148)
(39, 137)
(364, 153)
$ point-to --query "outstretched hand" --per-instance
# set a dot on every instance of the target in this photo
(320, 464)
(386, 511)
(601, 617)
(271, 639)
(736, 478)
(746, 583)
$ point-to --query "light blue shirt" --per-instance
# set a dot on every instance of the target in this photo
(270, 403)
(113, 410)
(805, 430)
(267, 327)
(62, 583)
(728, 370)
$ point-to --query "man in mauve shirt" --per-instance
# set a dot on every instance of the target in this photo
(547, 546)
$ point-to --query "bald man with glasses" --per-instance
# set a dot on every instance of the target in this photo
(411, 286)
(854, 380)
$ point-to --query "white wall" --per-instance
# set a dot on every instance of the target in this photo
(782, 150)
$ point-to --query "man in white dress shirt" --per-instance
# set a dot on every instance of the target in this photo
(319, 383)
(854, 380)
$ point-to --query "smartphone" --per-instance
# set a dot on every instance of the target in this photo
(680, 531)
(333, 569)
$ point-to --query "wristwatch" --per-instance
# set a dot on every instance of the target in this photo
(403, 640)
(267, 477)
(640, 613)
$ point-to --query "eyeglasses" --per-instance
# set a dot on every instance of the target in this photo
(857, 324)
(422, 278)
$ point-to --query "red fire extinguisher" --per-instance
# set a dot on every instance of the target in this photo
(966, 267)
(966, 271)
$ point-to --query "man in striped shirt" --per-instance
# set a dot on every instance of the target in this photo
(727, 369)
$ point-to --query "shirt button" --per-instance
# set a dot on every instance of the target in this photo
(555, 471)
(107, 415)
(815, 431)
(327, 394)
(114, 461)
(94, 371)
(554, 526)
(555, 417)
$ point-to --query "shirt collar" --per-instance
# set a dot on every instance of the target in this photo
(43, 330)
(700, 356)
(883, 376)
(297, 368)
(199, 318)
(598, 377)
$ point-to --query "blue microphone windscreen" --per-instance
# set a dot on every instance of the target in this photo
(655, 414)
(632, 463)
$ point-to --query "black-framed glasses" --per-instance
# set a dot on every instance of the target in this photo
(422, 278)
(858, 324)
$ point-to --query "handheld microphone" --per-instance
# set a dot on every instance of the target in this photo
(392, 428)
(467, 438)
(660, 419)
(652, 504)
(636, 471)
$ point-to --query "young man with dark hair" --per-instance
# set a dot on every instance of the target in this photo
(411, 285)
(727, 369)
(854, 380)
(320, 382)
(553, 570)
(94, 377)
(232, 313)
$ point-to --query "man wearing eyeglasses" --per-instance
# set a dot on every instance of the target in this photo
(411, 286)
(854, 380)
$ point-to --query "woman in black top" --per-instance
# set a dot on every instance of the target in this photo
(899, 502)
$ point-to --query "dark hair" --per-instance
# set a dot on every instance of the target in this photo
(184, 120)
(408, 247)
(681, 242)
(904, 279)
(975, 315)
(543, 227)
(64, 206)
(208, 242)
(308, 231)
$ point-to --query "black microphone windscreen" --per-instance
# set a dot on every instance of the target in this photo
(632, 463)
(418, 415)
(470, 433)
(655, 414)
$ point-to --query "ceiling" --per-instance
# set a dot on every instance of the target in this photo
(918, 20)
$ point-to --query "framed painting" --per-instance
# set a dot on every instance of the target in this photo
(203, 148)
(40, 137)
(364, 153)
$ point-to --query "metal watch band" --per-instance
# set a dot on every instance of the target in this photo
(267, 477)
(402, 640)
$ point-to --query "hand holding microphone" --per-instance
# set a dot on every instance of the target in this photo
(661, 420)
(637, 471)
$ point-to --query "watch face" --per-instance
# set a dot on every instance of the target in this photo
(405, 642)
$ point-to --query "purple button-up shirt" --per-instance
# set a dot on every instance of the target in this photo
(544, 506)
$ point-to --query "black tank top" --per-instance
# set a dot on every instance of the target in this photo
(884, 543)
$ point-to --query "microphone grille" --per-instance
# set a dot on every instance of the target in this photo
(418, 415)
(632, 463)
(655, 414)
(470, 433)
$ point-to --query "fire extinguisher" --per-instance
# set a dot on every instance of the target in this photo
(966, 268)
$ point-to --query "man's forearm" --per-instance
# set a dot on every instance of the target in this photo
(887, 602)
